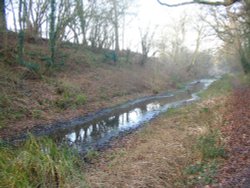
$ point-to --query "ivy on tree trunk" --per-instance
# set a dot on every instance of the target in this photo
(3, 26)
(52, 33)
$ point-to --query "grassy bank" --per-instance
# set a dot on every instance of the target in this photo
(39, 163)
(82, 81)
(182, 148)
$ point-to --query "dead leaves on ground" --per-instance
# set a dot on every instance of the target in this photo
(236, 170)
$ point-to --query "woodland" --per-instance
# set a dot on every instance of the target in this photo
(69, 61)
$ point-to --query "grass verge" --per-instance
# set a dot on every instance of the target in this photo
(221, 87)
(182, 148)
(39, 163)
(209, 147)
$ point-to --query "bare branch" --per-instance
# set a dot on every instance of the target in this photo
(204, 2)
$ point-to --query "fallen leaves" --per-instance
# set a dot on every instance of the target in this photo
(236, 170)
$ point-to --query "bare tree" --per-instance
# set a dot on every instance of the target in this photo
(233, 28)
(147, 38)
(83, 14)
(14, 15)
(172, 40)
(116, 25)
(36, 16)
(242, 29)
(202, 33)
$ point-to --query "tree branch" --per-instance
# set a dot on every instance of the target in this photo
(204, 2)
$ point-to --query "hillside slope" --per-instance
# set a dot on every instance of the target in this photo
(81, 81)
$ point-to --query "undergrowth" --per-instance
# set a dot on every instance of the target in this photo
(39, 163)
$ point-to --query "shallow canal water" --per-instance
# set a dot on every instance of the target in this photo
(96, 130)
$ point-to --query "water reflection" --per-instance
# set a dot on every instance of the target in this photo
(84, 136)
(101, 129)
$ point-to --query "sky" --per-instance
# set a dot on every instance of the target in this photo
(150, 14)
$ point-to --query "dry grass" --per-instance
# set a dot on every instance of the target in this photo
(38, 101)
(34, 95)
(156, 156)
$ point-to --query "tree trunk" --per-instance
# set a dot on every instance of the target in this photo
(3, 26)
(52, 34)
(116, 25)
(22, 19)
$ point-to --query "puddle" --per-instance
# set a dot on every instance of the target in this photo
(96, 130)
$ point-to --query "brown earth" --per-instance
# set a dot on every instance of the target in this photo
(236, 170)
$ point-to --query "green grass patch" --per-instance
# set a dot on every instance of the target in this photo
(220, 87)
(36, 114)
(10, 111)
(70, 96)
(69, 101)
(201, 173)
(209, 146)
(39, 163)
(64, 102)
(80, 99)
(204, 171)
(172, 111)
(91, 155)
